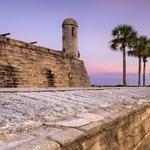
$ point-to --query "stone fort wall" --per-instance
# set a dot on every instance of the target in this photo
(26, 65)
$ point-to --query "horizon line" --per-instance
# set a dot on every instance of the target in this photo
(115, 73)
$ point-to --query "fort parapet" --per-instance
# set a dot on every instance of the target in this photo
(26, 65)
(75, 119)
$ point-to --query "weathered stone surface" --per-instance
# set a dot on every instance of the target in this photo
(80, 120)
(92, 144)
(26, 65)
(35, 139)
(66, 136)
(33, 144)
(105, 122)
(92, 128)
(144, 143)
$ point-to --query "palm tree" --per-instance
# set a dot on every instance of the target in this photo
(122, 39)
(146, 54)
(144, 68)
(137, 50)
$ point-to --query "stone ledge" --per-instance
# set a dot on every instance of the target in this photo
(32, 144)
(52, 89)
(87, 130)
(122, 125)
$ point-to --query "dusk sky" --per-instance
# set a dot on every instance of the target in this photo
(41, 20)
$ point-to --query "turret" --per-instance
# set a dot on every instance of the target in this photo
(70, 37)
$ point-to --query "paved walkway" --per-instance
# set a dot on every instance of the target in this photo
(29, 116)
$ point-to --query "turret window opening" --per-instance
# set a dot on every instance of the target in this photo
(73, 32)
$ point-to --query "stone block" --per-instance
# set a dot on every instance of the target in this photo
(66, 136)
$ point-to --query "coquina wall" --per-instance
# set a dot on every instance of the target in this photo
(26, 65)
(126, 129)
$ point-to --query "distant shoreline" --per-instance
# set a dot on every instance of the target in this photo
(115, 79)
(117, 86)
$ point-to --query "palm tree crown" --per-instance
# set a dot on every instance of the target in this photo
(137, 50)
(137, 46)
(123, 37)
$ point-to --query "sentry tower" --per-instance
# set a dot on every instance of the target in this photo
(70, 37)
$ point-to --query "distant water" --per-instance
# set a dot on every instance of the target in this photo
(116, 79)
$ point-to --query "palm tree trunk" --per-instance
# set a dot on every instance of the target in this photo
(139, 72)
(144, 68)
(124, 67)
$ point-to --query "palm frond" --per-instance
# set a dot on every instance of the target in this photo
(133, 53)
(123, 36)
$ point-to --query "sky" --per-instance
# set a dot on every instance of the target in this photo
(41, 20)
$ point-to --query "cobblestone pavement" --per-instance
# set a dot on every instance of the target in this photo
(22, 107)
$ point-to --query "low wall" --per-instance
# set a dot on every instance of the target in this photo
(26, 65)
(122, 131)
(121, 127)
